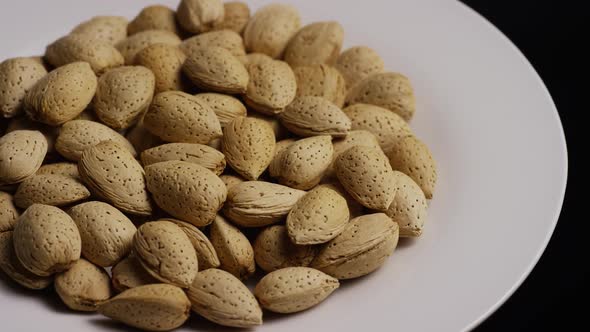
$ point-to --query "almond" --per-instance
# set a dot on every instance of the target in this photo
(412, 157)
(56, 190)
(112, 173)
(13, 267)
(157, 307)
(62, 94)
(248, 145)
(367, 176)
(233, 249)
(355, 208)
(84, 286)
(226, 39)
(386, 125)
(279, 130)
(231, 180)
(64, 168)
(258, 203)
(19, 75)
(272, 86)
(409, 208)
(254, 59)
(165, 61)
(141, 138)
(222, 298)
(357, 63)
(270, 29)
(129, 273)
(360, 249)
(321, 81)
(314, 116)
(225, 107)
(315, 44)
(274, 169)
(46, 240)
(187, 191)
(199, 154)
(198, 16)
(111, 29)
(123, 95)
(273, 250)
(216, 69)
(130, 46)
(50, 133)
(303, 163)
(354, 138)
(8, 212)
(78, 135)
(392, 91)
(156, 17)
(107, 234)
(21, 155)
(206, 255)
(294, 289)
(317, 217)
(176, 116)
(237, 15)
(166, 252)
(100, 55)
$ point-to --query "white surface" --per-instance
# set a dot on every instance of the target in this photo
(482, 109)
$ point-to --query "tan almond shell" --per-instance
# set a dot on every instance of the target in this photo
(360, 249)
(295, 168)
(225, 107)
(49, 189)
(107, 234)
(166, 252)
(58, 234)
(389, 90)
(8, 212)
(321, 81)
(275, 167)
(386, 125)
(112, 173)
(273, 250)
(50, 133)
(367, 176)
(357, 63)
(237, 15)
(141, 138)
(78, 135)
(111, 29)
(176, 116)
(101, 56)
(317, 217)
(231, 180)
(270, 29)
(259, 203)
(19, 75)
(13, 268)
(123, 95)
(354, 138)
(84, 286)
(155, 17)
(314, 116)
(294, 289)
(315, 44)
(62, 94)
(129, 273)
(409, 208)
(187, 191)
(216, 69)
(412, 157)
(235, 252)
(155, 307)
(199, 154)
(248, 145)
(165, 61)
(21, 155)
(222, 298)
(226, 39)
(197, 16)
(130, 46)
(62, 168)
(355, 208)
(255, 59)
(206, 255)
(272, 86)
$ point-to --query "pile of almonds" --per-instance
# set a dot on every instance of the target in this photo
(148, 167)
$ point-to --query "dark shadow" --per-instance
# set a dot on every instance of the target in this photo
(405, 242)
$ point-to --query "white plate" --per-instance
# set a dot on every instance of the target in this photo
(482, 109)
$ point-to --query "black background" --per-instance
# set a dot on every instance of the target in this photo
(553, 35)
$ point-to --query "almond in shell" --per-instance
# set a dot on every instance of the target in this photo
(235, 252)
(130, 46)
(314, 116)
(21, 155)
(165, 61)
(56, 190)
(226, 39)
(354, 138)
(274, 250)
(206, 255)
(199, 154)
(216, 69)
(270, 29)
(8, 212)
(156, 17)
(129, 273)
(357, 63)
(237, 15)
(111, 29)
(315, 44)
(84, 286)
(409, 208)
(13, 268)
(321, 81)
(231, 180)
(225, 107)
(198, 16)
(63, 168)
(19, 75)
(271, 87)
